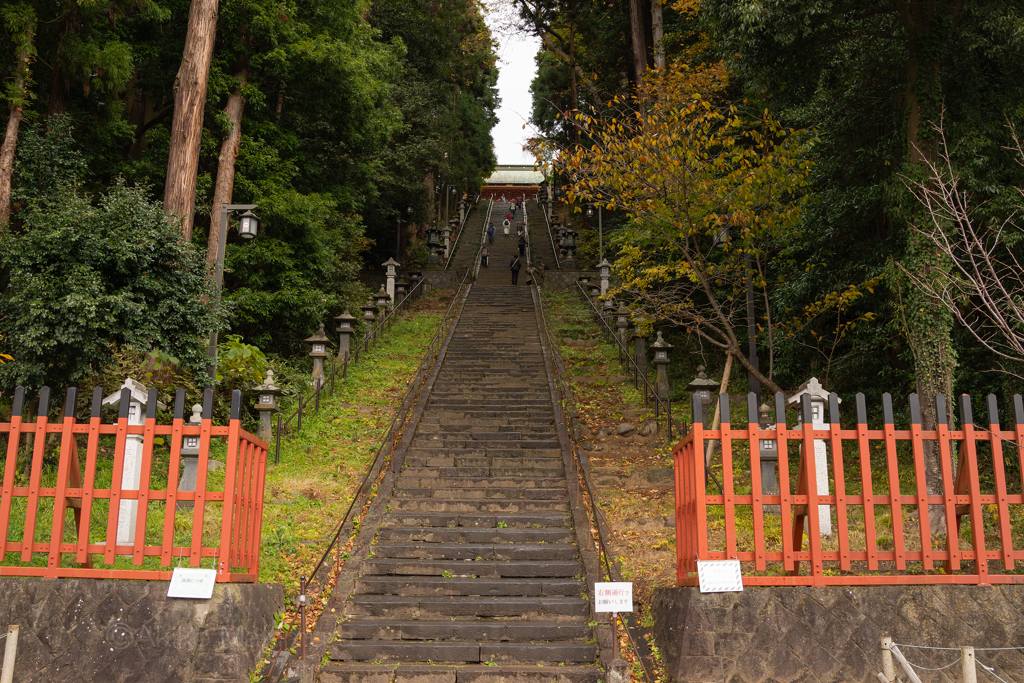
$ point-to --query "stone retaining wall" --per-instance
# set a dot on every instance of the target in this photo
(107, 631)
(788, 634)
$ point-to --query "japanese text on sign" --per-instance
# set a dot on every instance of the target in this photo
(613, 597)
(188, 582)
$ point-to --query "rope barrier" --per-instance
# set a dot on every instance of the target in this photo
(990, 670)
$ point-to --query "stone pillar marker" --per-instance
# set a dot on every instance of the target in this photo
(319, 351)
(190, 458)
(661, 349)
(131, 475)
(266, 405)
(345, 331)
(391, 264)
(819, 397)
(606, 271)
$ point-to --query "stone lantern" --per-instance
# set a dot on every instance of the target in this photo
(139, 398)
(768, 450)
(463, 205)
(595, 290)
(434, 246)
(383, 302)
(450, 230)
(703, 389)
(391, 264)
(608, 311)
(190, 459)
(661, 349)
(606, 270)
(346, 329)
(266, 405)
(585, 281)
(318, 351)
(369, 317)
(818, 397)
(414, 277)
(401, 289)
(640, 346)
(622, 323)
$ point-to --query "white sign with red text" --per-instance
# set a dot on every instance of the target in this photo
(613, 597)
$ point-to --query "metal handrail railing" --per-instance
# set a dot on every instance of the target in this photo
(282, 423)
(600, 528)
(483, 238)
(324, 575)
(462, 226)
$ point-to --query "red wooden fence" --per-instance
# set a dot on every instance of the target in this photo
(713, 524)
(175, 536)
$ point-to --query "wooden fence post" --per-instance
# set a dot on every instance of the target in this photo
(10, 651)
(888, 666)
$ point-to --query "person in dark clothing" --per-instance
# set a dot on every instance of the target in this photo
(522, 246)
(483, 257)
(490, 233)
(514, 267)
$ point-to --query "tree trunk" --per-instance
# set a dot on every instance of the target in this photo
(189, 103)
(636, 22)
(658, 29)
(226, 165)
(11, 136)
(928, 324)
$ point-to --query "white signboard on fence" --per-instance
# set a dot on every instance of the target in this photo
(188, 582)
(613, 597)
(719, 576)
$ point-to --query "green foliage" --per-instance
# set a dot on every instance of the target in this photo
(239, 363)
(83, 277)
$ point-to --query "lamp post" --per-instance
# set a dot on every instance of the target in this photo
(248, 224)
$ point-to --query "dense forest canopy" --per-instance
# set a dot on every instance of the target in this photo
(332, 116)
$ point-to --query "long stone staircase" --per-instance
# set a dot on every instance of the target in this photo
(540, 239)
(466, 248)
(475, 573)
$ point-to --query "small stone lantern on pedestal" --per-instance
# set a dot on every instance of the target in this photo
(434, 246)
(463, 205)
(702, 389)
(819, 398)
(346, 329)
(383, 301)
(190, 459)
(391, 264)
(595, 290)
(401, 289)
(266, 405)
(606, 271)
(608, 311)
(318, 352)
(622, 323)
(368, 317)
(661, 349)
(769, 454)
(414, 277)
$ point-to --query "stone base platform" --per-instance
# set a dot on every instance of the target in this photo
(108, 631)
(831, 635)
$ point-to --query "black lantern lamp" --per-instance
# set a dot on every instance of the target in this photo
(248, 224)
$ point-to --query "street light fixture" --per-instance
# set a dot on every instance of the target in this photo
(248, 224)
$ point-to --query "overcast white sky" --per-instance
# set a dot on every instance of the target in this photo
(516, 70)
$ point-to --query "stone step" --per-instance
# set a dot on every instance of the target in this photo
(383, 651)
(476, 552)
(478, 506)
(489, 493)
(517, 454)
(443, 585)
(470, 535)
(553, 608)
(409, 480)
(484, 569)
(437, 630)
(471, 521)
(458, 428)
(468, 673)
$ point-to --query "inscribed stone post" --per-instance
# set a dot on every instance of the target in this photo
(131, 474)
(819, 398)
